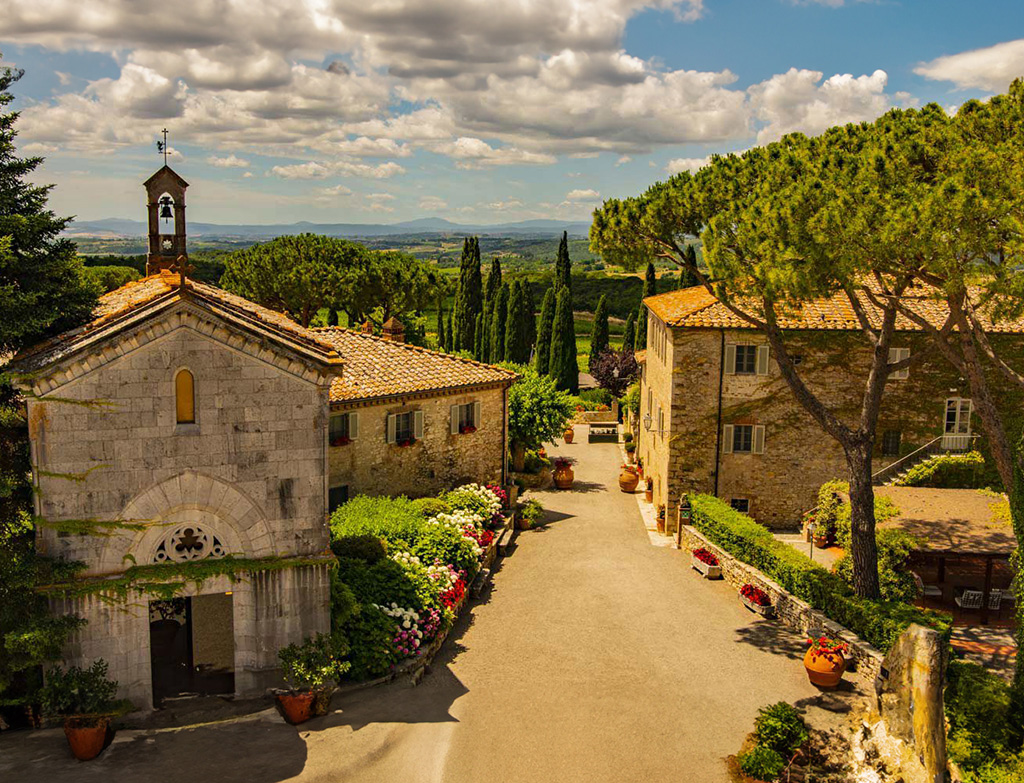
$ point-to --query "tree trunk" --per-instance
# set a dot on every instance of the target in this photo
(863, 546)
(518, 457)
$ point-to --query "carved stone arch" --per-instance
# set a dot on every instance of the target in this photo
(192, 497)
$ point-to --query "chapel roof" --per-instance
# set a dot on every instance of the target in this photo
(376, 367)
(697, 308)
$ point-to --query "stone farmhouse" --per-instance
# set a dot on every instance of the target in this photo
(183, 423)
(717, 416)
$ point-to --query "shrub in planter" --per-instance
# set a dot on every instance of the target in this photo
(530, 514)
(86, 700)
(705, 556)
(781, 728)
(446, 545)
(757, 600)
(706, 563)
(762, 763)
(361, 547)
(311, 670)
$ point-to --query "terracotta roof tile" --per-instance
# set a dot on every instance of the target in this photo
(696, 308)
(375, 367)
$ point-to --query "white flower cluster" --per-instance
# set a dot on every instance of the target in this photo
(406, 617)
(457, 520)
(443, 575)
(406, 559)
(485, 495)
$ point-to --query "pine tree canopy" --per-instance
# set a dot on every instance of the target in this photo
(547, 320)
(564, 367)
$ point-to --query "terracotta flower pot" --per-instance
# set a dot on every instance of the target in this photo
(821, 541)
(661, 525)
(564, 477)
(628, 480)
(649, 495)
(568, 435)
(297, 707)
(824, 669)
(86, 738)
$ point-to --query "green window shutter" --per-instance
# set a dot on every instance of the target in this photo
(762, 360)
(454, 422)
(417, 424)
(758, 440)
(390, 436)
(353, 425)
(730, 360)
(727, 439)
(476, 414)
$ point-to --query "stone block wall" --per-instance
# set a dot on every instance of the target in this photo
(370, 465)
(790, 610)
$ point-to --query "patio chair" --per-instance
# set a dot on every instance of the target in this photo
(969, 599)
(928, 591)
(995, 598)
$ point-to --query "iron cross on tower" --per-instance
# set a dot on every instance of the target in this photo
(161, 146)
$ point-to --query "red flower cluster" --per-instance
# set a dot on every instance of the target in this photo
(705, 556)
(465, 429)
(344, 440)
(482, 537)
(825, 646)
(406, 442)
(755, 595)
(453, 595)
(499, 493)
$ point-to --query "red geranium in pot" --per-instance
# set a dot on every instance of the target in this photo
(825, 661)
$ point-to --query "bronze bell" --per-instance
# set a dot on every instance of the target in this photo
(165, 208)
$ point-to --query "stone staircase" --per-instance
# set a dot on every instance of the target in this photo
(895, 471)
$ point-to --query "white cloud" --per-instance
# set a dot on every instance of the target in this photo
(318, 170)
(431, 203)
(677, 165)
(991, 68)
(232, 161)
(795, 101)
(334, 191)
(247, 175)
(310, 170)
(623, 159)
(470, 153)
(580, 194)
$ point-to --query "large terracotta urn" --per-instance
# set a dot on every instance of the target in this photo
(564, 476)
(824, 669)
(568, 435)
(86, 738)
(628, 480)
(297, 707)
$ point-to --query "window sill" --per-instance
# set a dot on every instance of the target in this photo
(186, 429)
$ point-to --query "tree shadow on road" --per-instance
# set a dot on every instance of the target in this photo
(773, 637)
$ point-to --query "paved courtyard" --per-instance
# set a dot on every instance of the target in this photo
(595, 657)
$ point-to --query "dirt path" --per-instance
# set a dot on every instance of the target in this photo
(595, 657)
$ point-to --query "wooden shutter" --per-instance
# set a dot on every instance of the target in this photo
(417, 424)
(390, 429)
(453, 427)
(476, 414)
(727, 437)
(898, 355)
(730, 359)
(758, 439)
(353, 425)
(762, 360)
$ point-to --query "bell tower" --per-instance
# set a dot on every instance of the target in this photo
(165, 202)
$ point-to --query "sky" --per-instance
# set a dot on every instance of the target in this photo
(379, 111)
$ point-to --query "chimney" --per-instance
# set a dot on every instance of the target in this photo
(367, 327)
(394, 331)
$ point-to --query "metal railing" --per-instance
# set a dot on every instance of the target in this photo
(941, 444)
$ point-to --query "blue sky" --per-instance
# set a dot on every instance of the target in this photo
(358, 111)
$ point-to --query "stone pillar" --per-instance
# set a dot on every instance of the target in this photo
(910, 701)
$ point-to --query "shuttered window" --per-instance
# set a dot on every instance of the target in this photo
(743, 359)
(464, 418)
(743, 439)
(344, 427)
(898, 355)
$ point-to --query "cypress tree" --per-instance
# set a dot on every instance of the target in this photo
(493, 281)
(547, 319)
(449, 337)
(468, 296)
(485, 338)
(687, 277)
(498, 317)
(441, 344)
(564, 368)
(629, 335)
(517, 349)
(478, 333)
(650, 289)
(531, 321)
(599, 335)
(563, 266)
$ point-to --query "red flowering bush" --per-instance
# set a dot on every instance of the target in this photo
(705, 556)
(755, 595)
(482, 537)
(343, 440)
(499, 493)
(465, 429)
(561, 463)
(451, 597)
(825, 646)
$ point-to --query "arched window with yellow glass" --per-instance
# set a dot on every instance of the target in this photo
(185, 397)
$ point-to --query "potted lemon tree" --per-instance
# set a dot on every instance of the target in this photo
(311, 670)
(86, 700)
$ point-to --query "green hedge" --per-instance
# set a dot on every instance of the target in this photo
(878, 622)
(947, 471)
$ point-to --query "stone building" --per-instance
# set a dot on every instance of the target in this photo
(717, 416)
(188, 437)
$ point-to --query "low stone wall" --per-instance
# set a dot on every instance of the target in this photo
(791, 610)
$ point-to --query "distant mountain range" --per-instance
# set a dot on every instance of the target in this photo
(118, 227)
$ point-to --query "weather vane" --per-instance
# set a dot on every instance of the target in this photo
(161, 146)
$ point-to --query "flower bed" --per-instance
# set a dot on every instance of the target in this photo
(757, 600)
(706, 562)
(403, 572)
